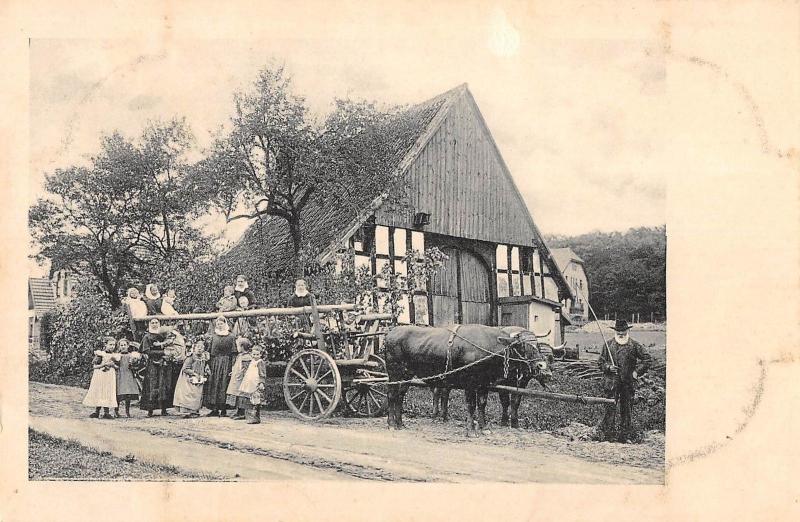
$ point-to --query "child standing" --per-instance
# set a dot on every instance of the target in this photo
(254, 386)
(242, 325)
(194, 373)
(168, 303)
(228, 301)
(103, 388)
(235, 400)
(127, 387)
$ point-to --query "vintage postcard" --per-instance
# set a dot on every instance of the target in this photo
(329, 260)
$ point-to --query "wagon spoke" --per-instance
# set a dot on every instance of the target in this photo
(319, 369)
(324, 375)
(303, 403)
(327, 397)
(377, 402)
(311, 365)
(296, 395)
(311, 407)
(375, 390)
(369, 408)
(319, 403)
(326, 386)
(299, 374)
(304, 368)
(295, 384)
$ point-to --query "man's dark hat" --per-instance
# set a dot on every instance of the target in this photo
(621, 325)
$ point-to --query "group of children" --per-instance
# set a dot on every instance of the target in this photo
(115, 380)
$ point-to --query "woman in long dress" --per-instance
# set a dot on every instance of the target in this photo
(193, 375)
(157, 384)
(222, 353)
(103, 388)
(127, 387)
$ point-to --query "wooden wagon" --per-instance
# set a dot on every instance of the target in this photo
(337, 358)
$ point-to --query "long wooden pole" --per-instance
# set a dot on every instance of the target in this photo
(564, 397)
(599, 327)
(300, 310)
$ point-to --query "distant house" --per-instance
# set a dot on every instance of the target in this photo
(64, 284)
(462, 199)
(41, 299)
(573, 270)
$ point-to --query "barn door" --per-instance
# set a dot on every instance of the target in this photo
(460, 290)
(444, 290)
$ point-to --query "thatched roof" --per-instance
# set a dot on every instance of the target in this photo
(267, 245)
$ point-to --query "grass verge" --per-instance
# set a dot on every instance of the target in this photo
(52, 458)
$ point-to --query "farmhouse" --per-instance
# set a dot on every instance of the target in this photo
(573, 270)
(460, 198)
(41, 299)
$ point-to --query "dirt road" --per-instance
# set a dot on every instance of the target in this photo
(283, 447)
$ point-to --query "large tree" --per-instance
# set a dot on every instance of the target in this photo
(124, 214)
(274, 161)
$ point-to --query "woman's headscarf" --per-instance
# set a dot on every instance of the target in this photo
(226, 330)
(151, 292)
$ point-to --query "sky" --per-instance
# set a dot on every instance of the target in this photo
(579, 120)
(573, 150)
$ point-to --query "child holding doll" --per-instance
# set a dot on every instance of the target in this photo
(193, 375)
(254, 385)
(103, 388)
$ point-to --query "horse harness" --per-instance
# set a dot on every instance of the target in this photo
(506, 352)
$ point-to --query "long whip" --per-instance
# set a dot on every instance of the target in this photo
(599, 326)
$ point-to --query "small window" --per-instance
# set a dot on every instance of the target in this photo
(515, 284)
(417, 241)
(362, 261)
(502, 284)
(399, 242)
(421, 309)
(380, 264)
(502, 257)
(404, 316)
(382, 240)
(514, 258)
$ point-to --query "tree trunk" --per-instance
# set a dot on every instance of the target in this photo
(297, 242)
(113, 293)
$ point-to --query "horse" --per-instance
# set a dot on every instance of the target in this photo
(487, 354)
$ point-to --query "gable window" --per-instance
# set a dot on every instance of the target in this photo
(514, 271)
(516, 283)
(527, 288)
(501, 261)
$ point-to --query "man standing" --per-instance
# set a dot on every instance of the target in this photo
(619, 366)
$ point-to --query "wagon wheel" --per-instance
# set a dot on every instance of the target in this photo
(369, 399)
(312, 385)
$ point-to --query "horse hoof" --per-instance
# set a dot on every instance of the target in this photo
(486, 432)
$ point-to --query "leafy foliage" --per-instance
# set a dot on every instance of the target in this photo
(73, 331)
(626, 271)
(275, 161)
(122, 216)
